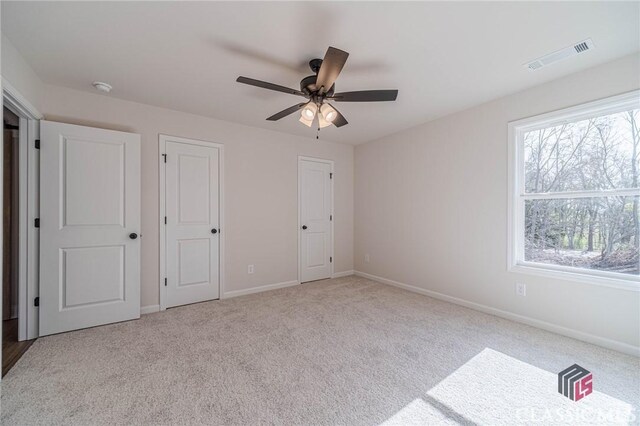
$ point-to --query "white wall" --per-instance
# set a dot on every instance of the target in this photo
(260, 185)
(18, 73)
(431, 209)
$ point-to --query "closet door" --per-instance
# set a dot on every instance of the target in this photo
(192, 223)
(315, 210)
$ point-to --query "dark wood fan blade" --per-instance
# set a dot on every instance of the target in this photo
(332, 64)
(366, 96)
(339, 121)
(270, 86)
(286, 112)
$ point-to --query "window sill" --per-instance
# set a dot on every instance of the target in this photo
(630, 284)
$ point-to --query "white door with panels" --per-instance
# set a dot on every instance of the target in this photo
(89, 227)
(192, 226)
(315, 209)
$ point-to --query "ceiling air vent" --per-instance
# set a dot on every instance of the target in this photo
(534, 65)
(581, 47)
(558, 55)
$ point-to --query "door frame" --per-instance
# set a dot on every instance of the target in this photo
(162, 144)
(331, 249)
(29, 209)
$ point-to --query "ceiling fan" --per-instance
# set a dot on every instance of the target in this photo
(319, 89)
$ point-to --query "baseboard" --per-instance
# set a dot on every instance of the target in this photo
(259, 289)
(569, 332)
(342, 274)
(149, 309)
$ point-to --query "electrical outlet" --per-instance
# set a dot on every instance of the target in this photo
(366, 258)
(250, 269)
(521, 289)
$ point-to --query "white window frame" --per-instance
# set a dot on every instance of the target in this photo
(516, 219)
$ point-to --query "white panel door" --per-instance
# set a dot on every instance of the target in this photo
(192, 223)
(89, 226)
(315, 209)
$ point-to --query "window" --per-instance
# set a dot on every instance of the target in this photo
(575, 192)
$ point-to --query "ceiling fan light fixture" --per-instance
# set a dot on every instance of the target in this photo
(306, 122)
(328, 113)
(322, 123)
(309, 111)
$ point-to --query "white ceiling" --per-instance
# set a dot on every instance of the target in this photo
(443, 57)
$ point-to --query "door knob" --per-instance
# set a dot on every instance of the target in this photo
(133, 235)
(214, 231)
(304, 226)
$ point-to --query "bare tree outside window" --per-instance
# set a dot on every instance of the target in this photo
(578, 207)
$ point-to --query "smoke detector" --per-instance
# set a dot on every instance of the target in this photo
(102, 86)
(561, 54)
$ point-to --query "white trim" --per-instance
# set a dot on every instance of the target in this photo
(162, 143)
(608, 105)
(23, 226)
(565, 331)
(587, 276)
(580, 194)
(342, 274)
(29, 236)
(162, 208)
(259, 289)
(331, 163)
(517, 196)
(15, 99)
(144, 310)
(33, 233)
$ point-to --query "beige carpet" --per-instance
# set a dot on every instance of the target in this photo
(342, 351)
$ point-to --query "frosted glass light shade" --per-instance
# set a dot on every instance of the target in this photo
(306, 122)
(322, 122)
(309, 111)
(328, 112)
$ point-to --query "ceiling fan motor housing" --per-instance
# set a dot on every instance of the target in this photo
(308, 85)
(315, 65)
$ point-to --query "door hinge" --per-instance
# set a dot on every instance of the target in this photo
(36, 301)
(165, 157)
(165, 220)
(37, 143)
(330, 175)
(330, 217)
(331, 260)
(165, 282)
(36, 222)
